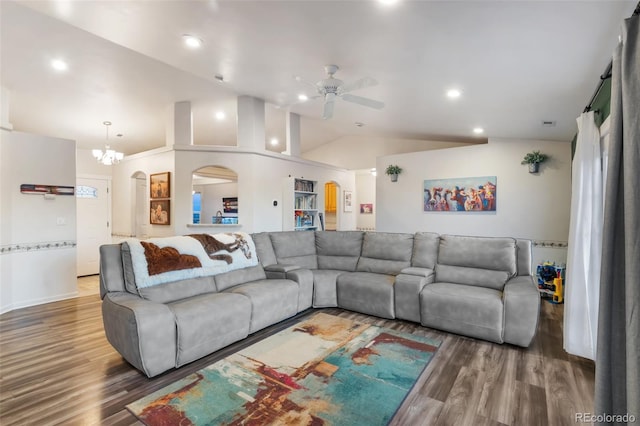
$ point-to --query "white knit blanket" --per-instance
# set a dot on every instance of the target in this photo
(162, 260)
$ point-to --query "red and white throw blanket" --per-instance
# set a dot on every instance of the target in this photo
(161, 260)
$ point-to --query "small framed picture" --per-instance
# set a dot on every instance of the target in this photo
(347, 201)
(230, 204)
(159, 185)
(366, 208)
(160, 212)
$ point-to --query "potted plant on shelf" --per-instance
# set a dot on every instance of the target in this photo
(533, 159)
(393, 171)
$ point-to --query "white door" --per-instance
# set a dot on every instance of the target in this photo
(93, 204)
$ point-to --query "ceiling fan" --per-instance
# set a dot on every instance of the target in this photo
(331, 88)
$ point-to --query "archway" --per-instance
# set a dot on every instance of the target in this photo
(215, 195)
(331, 191)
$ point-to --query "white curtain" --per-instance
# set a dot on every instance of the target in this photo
(585, 242)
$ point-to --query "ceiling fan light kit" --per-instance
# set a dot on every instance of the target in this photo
(331, 88)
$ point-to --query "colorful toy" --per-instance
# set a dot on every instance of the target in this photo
(550, 281)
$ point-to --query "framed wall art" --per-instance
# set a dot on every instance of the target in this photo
(159, 185)
(366, 208)
(160, 211)
(347, 201)
(230, 204)
(470, 194)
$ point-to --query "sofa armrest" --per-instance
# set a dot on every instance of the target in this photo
(304, 278)
(279, 270)
(419, 272)
(142, 331)
(521, 310)
(407, 289)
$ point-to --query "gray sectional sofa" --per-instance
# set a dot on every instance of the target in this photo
(474, 286)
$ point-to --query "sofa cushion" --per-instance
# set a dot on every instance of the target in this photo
(209, 322)
(366, 292)
(425, 249)
(295, 247)
(239, 276)
(385, 253)
(471, 276)
(325, 290)
(338, 250)
(462, 309)
(498, 254)
(264, 248)
(177, 290)
(524, 257)
(272, 301)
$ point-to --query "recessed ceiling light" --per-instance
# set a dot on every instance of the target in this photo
(359, 124)
(274, 141)
(220, 115)
(302, 97)
(59, 65)
(453, 93)
(387, 2)
(478, 130)
(192, 42)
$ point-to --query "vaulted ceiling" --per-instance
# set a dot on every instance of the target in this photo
(516, 63)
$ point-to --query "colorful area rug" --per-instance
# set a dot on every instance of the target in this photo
(325, 370)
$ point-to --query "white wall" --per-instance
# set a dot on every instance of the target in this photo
(32, 271)
(260, 182)
(365, 193)
(360, 152)
(124, 191)
(532, 206)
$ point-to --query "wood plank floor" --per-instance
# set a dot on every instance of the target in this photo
(56, 367)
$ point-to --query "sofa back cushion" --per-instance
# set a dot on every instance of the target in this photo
(178, 290)
(385, 253)
(240, 276)
(425, 250)
(482, 261)
(471, 276)
(167, 292)
(264, 248)
(295, 248)
(524, 257)
(338, 250)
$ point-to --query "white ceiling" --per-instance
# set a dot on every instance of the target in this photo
(516, 62)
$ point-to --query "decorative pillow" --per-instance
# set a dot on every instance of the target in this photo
(162, 260)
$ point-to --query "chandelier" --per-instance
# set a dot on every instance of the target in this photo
(109, 156)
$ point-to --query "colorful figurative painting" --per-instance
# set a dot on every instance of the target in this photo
(469, 194)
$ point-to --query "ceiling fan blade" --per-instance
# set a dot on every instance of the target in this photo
(363, 101)
(358, 84)
(328, 106)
